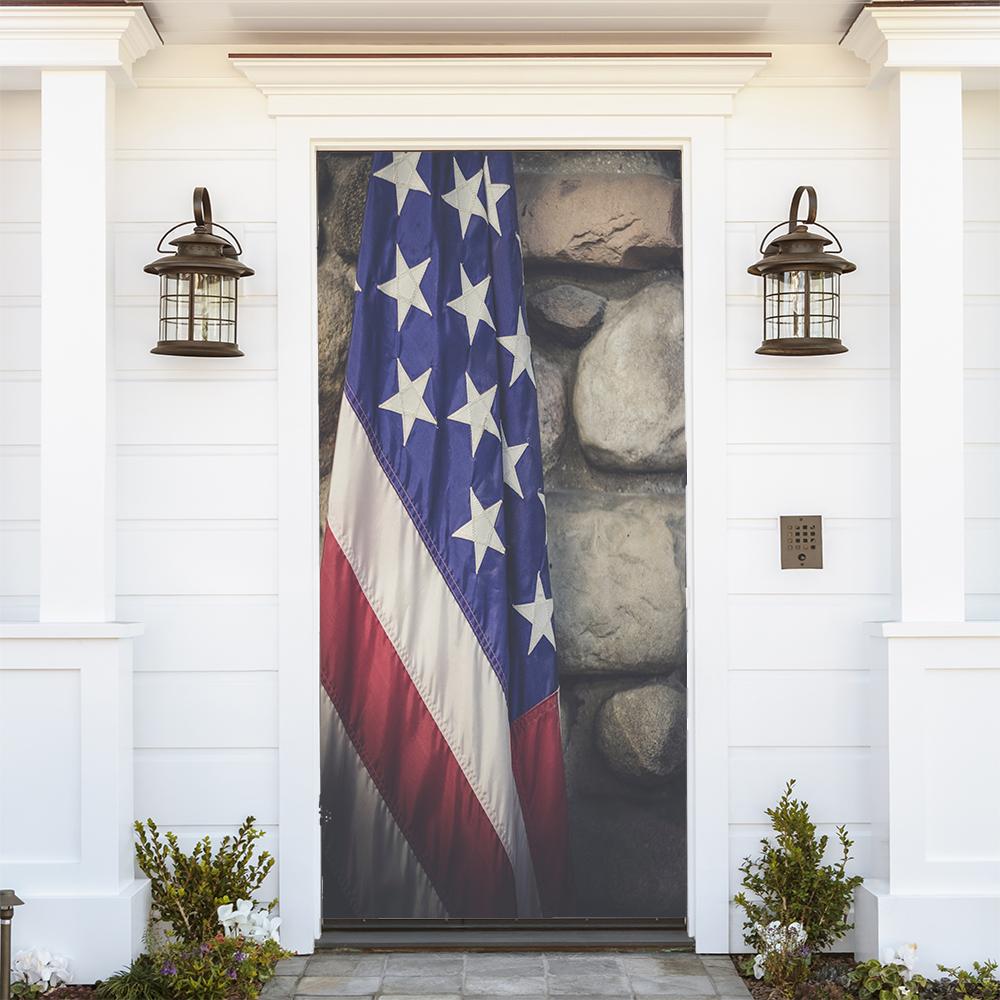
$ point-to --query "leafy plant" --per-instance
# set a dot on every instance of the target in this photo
(188, 889)
(140, 981)
(218, 969)
(874, 980)
(980, 983)
(789, 883)
(784, 959)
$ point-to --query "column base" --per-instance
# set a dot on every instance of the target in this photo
(950, 930)
(98, 934)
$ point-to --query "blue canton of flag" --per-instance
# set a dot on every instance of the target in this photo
(440, 373)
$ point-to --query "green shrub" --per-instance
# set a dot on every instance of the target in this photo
(218, 969)
(188, 889)
(140, 981)
(874, 981)
(789, 883)
(980, 983)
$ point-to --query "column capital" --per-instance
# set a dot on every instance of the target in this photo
(39, 36)
(891, 35)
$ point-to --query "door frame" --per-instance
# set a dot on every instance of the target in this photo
(600, 101)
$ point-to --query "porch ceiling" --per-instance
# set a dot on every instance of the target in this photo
(701, 22)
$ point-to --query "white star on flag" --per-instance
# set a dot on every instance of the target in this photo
(477, 413)
(402, 172)
(494, 192)
(519, 345)
(409, 400)
(472, 303)
(539, 613)
(405, 288)
(481, 528)
(464, 197)
(511, 456)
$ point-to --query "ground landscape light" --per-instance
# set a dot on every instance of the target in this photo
(801, 286)
(8, 900)
(198, 288)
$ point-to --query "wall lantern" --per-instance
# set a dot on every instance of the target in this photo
(8, 900)
(198, 288)
(801, 286)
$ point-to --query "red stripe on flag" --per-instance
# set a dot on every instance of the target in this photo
(409, 760)
(536, 749)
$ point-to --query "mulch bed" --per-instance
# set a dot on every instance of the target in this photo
(71, 993)
(759, 990)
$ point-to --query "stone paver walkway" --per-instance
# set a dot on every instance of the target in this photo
(649, 975)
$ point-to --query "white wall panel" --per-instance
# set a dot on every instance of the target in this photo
(20, 400)
(155, 122)
(148, 190)
(20, 330)
(833, 781)
(20, 189)
(19, 559)
(20, 260)
(848, 190)
(19, 485)
(198, 632)
(184, 557)
(982, 258)
(789, 410)
(206, 483)
(804, 631)
(837, 481)
(197, 411)
(808, 708)
(224, 710)
(234, 784)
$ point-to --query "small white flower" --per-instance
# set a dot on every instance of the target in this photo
(39, 967)
(758, 966)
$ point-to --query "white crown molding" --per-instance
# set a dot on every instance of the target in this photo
(37, 37)
(632, 84)
(946, 36)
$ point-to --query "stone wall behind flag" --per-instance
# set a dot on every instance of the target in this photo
(601, 234)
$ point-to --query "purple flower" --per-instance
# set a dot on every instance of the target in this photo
(204, 949)
(169, 969)
(231, 973)
(240, 956)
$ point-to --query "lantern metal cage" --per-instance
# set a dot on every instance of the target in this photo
(198, 287)
(801, 286)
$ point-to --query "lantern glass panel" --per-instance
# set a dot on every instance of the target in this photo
(801, 303)
(174, 298)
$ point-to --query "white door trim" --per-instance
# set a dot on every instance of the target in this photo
(599, 111)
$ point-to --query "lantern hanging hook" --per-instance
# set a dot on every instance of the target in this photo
(794, 218)
(793, 209)
(203, 209)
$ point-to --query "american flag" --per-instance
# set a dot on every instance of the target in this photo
(438, 650)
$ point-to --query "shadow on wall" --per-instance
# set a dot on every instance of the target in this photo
(601, 234)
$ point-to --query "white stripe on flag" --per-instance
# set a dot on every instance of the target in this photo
(432, 636)
(385, 878)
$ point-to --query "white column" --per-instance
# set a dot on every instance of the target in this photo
(934, 735)
(77, 439)
(927, 275)
(66, 681)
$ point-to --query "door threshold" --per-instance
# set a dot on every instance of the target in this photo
(458, 937)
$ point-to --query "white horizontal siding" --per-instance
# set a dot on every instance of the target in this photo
(807, 436)
(982, 354)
